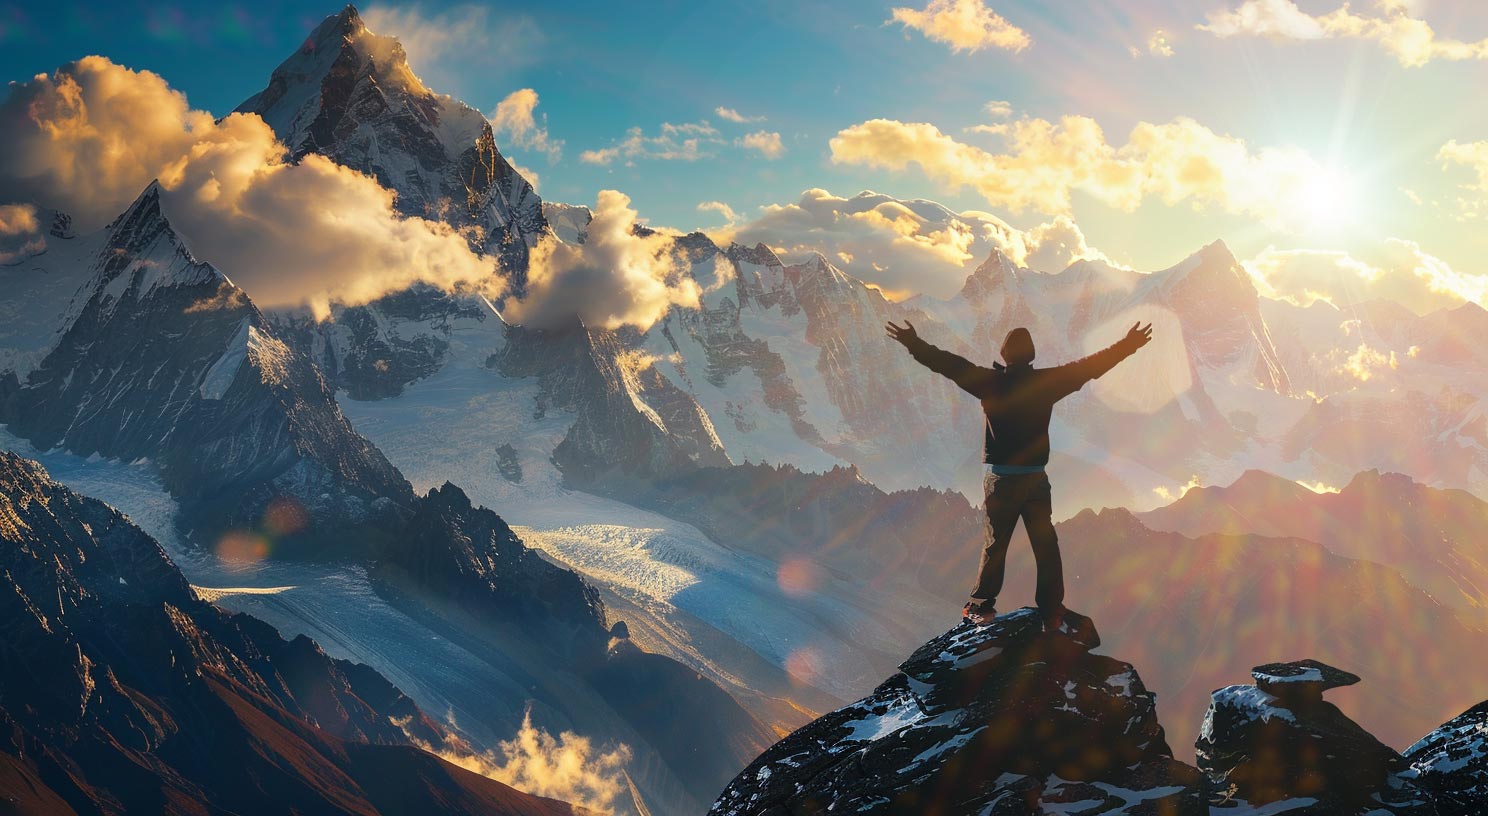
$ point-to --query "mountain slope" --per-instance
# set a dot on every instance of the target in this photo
(122, 692)
(1432, 536)
(159, 356)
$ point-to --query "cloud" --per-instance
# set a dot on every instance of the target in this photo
(964, 25)
(614, 278)
(1365, 362)
(451, 42)
(1410, 39)
(721, 208)
(89, 137)
(1396, 270)
(768, 144)
(18, 219)
(906, 246)
(1045, 162)
(732, 115)
(998, 108)
(567, 767)
(1158, 45)
(1473, 155)
(513, 117)
(20, 232)
(685, 142)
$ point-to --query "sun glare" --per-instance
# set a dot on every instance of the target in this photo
(1326, 201)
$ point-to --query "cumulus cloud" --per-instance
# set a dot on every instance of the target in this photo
(685, 142)
(998, 108)
(964, 25)
(568, 767)
(615, 278)
(907, 246)
(1044, 162)
(767, 143)
(1394, 26)
(731, 115)
(91, 136)
(1396, 270)
(514, 119)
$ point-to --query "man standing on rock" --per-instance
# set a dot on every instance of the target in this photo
(1018, 400)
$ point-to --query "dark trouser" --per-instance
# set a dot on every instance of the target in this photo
(1023, 495)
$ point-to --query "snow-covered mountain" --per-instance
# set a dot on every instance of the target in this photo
(349, 95)
(132, 349)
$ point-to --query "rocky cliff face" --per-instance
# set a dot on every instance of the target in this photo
(1002, 719)
(158, 356)
(121, 692)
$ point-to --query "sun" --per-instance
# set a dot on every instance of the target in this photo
(1326, 200)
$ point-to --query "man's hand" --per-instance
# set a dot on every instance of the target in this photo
(904, 334)
(1139, 335)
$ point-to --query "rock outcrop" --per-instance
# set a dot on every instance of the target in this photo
(1451, 763)
(1279, 741)
(1001, 719)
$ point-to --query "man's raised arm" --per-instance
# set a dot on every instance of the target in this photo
(972, 378)
(1073, 376)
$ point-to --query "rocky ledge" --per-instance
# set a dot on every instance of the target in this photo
(1001, 719)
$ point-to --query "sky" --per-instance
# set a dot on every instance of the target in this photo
(1317, 140)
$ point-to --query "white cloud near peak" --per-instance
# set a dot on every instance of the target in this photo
(514, 118)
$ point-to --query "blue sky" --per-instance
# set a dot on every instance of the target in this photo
(813, 70)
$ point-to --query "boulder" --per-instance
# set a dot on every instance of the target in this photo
(1279, 743)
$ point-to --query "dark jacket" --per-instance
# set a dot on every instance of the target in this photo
(1018, 400)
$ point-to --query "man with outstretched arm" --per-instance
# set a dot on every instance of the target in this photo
(1018, 400)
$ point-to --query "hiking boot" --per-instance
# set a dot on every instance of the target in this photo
(1053, 618)
(978, 613)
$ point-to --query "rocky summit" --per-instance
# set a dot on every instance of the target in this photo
(1451, 763)
(1280, 743)
(1005, 718)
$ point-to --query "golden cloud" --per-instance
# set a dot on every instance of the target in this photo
(1411, 40)
(964, 25)
(768, 144)
(514, 117)
(1045, 162)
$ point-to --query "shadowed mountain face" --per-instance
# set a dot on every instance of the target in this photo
(121, 692)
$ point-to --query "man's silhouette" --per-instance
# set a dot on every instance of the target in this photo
(1018, 400)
